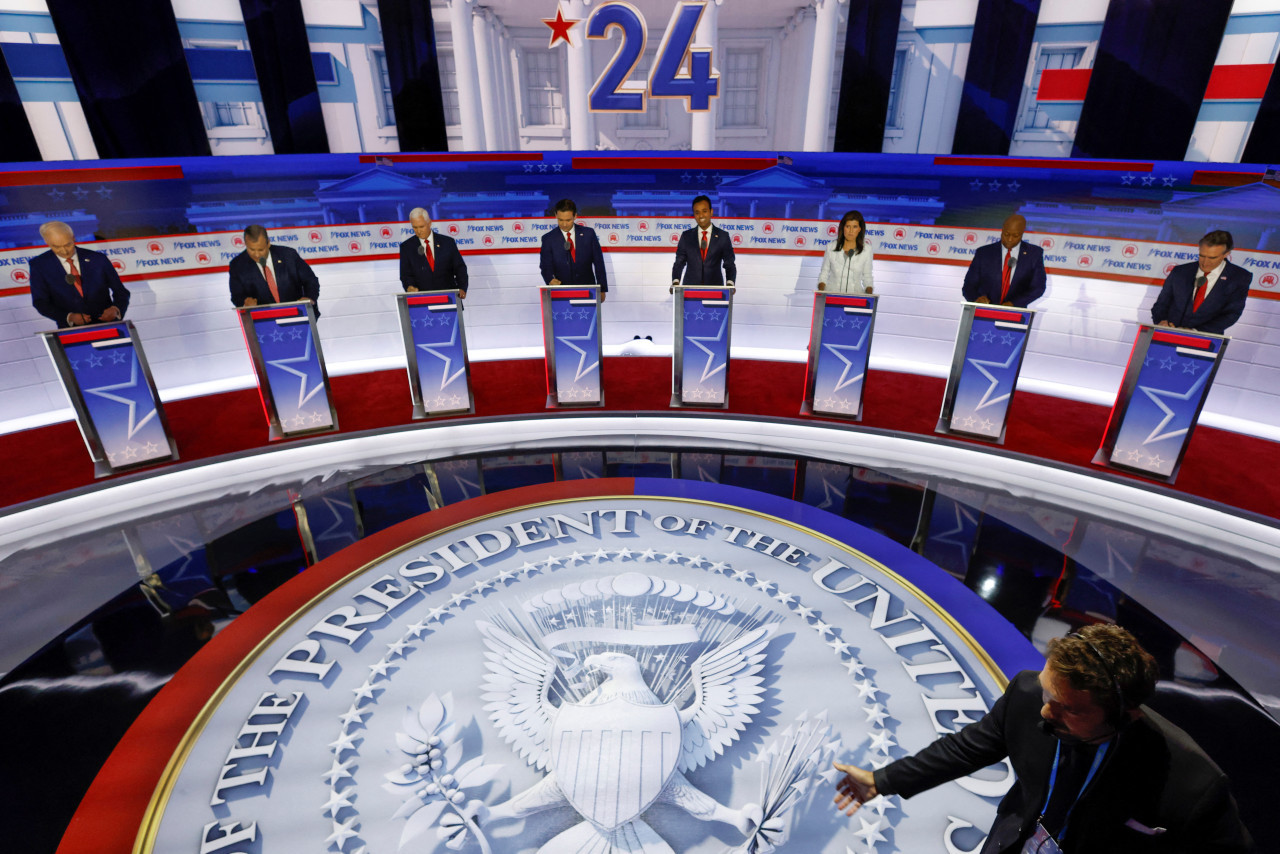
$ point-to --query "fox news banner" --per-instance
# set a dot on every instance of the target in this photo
(607, 665)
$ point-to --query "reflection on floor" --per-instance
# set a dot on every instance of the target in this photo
(1045, 570)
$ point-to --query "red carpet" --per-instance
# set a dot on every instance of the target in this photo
(1221, 466)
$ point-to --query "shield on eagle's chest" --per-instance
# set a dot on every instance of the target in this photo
(613, 759)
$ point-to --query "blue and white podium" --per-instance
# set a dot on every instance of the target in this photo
(289, 365)
(435, 351)
(839, 352)
(984, 370)
(700, 365)
(571, 337)
(105, 373)
(1164, 388)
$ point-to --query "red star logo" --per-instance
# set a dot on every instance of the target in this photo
(560, 27)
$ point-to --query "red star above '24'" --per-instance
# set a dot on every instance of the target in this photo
(560, 26)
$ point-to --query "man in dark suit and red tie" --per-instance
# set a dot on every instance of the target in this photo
(73, 286)
(1010, 272)
(705, 253)
(1207, 296)
(430, 261)
(571, 253)
(263, 274)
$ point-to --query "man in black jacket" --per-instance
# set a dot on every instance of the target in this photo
(264, 273)
(1123, 778)
(430, 261)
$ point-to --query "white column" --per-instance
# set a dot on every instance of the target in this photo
(464, 57)
(506, 105)
(817, 109)
(704, 123)
(489, 102)
(581, 126)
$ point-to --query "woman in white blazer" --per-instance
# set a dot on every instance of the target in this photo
(846, 265)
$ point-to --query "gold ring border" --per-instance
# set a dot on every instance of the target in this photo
(144, 843)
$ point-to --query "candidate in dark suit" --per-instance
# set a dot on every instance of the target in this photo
(1225, 289)
(571, 253)
(430, 261)
(704, 253)
(986, 281)
(73, 286)
(1126, 779)
(263, 273)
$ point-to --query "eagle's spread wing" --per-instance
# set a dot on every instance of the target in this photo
(727, 688)
(517, 687)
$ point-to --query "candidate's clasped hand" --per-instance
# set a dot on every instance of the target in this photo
(855, 788)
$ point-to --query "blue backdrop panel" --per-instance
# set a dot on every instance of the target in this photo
(130, 72)
(1264, 138)
(870, 43)
(17, 143)
(282, 57)
(1153, 65)
(409, 37)
(1002, 37)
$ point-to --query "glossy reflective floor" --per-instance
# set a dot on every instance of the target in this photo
(1046, 568)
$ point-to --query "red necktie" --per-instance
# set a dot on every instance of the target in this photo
(76, 274)
(431, 256)
(1004, 276)
(271, 282)
(704, 245)
(1202, 286)
(573, 254)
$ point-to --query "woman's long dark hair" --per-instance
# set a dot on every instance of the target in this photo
(862, 230)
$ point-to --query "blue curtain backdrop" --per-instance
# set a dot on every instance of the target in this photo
(128, 67)
(286, 77)
(17, 143)
(998, 55)
(409, 38)
(870, 42)
(1153, 65)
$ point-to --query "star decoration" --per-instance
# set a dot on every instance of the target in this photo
(560, 26)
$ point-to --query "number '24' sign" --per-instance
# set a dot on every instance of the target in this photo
(614, 92)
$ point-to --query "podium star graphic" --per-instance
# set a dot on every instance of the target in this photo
(560, 26)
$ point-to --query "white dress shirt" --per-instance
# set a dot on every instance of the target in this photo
(846, 274)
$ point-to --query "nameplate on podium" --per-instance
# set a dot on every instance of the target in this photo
(1165, 385)
(984, 370)
(839, 352)
(435, 349)
(571, 337)
(106, 377)
(289, 365)
(700, 365)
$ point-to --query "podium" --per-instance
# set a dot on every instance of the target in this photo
(106, 377)
(289, 365)
(435, 350)
(1165, 384)
(984, 371)
(839, 352)
(571, 338)
(700, 365)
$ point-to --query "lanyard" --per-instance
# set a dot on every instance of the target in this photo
(1053, 777)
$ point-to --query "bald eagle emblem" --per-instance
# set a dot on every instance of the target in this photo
(621, 748)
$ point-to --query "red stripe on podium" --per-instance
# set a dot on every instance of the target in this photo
(1181, 340)
(858, 301)
(434, 298)
(995, 314)
(571, 294)
(277, 312)
(91, 335)
(704, 295)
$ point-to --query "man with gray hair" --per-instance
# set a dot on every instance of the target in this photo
(1208, 295)
(73, 286)
(430, 261)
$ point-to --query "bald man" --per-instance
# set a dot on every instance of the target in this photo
(1010, 272)
(73, 286)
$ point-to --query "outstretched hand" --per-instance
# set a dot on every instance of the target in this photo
(855, 788)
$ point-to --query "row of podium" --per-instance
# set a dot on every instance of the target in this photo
(105, 372)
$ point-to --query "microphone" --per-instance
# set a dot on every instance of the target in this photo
(1067, 738)
(566, 242)
(422, 250)
(69, 279)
